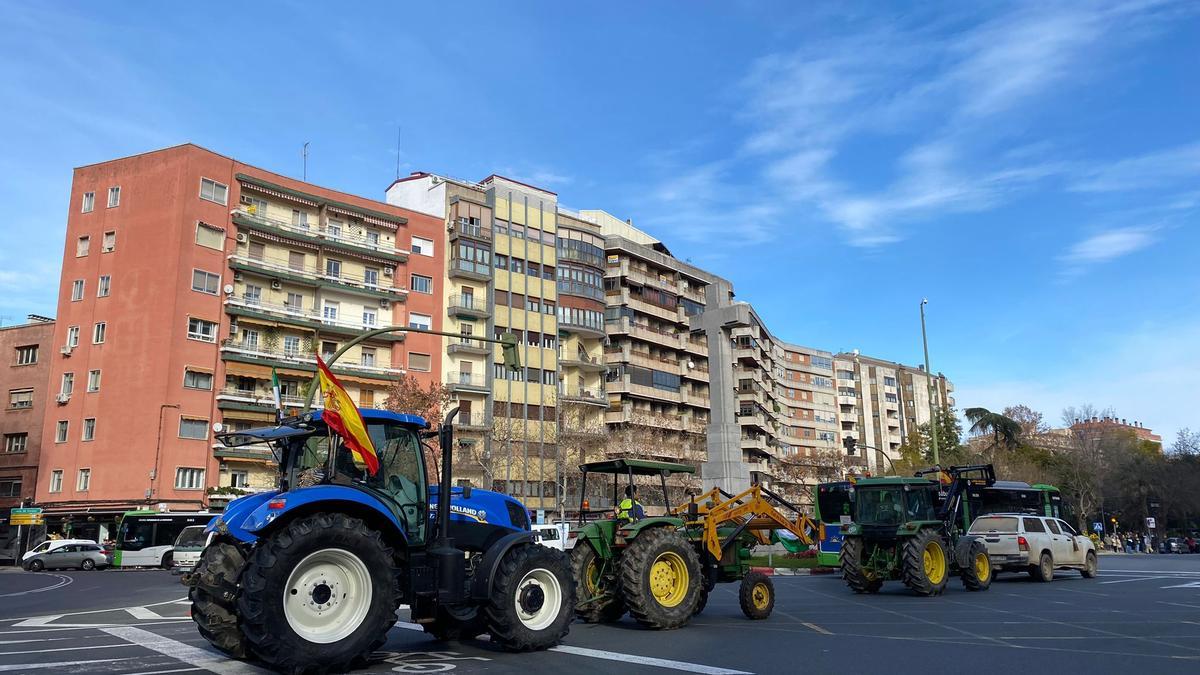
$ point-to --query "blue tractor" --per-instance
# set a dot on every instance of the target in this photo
(308, 578)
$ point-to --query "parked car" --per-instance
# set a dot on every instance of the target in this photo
(554, 535)
(72, 556)
(1035, 544)
(1175, 545)
(188, 546)
(51, 544)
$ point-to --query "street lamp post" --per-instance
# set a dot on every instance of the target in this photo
(933, 427)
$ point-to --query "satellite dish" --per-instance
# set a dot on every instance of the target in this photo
(691, 364)
(218, 427)
(228, 289)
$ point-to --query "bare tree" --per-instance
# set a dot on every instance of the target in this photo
(407, 395)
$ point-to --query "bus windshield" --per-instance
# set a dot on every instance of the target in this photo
(140, 531)
(833, 502)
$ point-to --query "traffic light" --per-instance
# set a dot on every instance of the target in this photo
(849, 443)
(508, 345)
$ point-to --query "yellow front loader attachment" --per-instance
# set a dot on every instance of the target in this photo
(752, 511)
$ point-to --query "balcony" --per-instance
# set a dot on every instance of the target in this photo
(753, 420)
(255, 451)
(465, 229)
(469, 270)
(566, 287)
(255, 352)
(311, 233)
(471, 422)
(585, 396)
(307, 275)
(468, 306)
(466, 382)
(646, 360)
(697, 346)
(581, 361)
(466, 345)
(584, 328)
(656, 336)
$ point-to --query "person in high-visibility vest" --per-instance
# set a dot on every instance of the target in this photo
(630, 510)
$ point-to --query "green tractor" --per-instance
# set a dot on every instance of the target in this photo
(906, 529)
(647, 567)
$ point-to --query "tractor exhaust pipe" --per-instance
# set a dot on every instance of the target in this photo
(446, 559)
(446, 440)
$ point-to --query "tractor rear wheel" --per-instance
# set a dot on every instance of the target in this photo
(976, 567)
(757, 595)
(925, 567)
(660, 578)
(589, 584)
(213, 590)
(532, 599)
(318, 594)
(858, 578)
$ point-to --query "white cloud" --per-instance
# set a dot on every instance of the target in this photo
(1109, 245)
(1162, 169)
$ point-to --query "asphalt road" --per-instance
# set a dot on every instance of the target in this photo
(1143, 613)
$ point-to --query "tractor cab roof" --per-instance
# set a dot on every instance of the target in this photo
(303, 424)
(893, 480)
(637, 467)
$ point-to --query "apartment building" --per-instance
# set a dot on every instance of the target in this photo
(24, 381)
(1098, 426)
(200, 275)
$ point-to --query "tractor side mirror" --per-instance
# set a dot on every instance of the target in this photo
(466, 491)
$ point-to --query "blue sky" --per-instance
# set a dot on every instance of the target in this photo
(1034, 170)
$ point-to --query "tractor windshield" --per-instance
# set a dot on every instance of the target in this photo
(879, 505)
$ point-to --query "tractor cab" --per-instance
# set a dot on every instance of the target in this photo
(623, 472)
(884, 505)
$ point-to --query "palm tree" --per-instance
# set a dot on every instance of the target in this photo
(1005, 431)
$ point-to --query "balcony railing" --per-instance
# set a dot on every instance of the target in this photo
(470, 267)
(584, 395)
(257, 350)
(312, 230)
(465, 380)
(291, 311)
(580, 289)
(469, 304)
(469, 230)
(316, 274)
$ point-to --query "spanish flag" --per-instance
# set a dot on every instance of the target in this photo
(343, 417)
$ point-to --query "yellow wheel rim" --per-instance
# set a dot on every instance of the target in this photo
(668, 579)
(761, 596)
(935, 562)
(983, 567)
(591, 578)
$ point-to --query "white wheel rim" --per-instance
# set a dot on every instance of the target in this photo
(327, 596)
(540, 616)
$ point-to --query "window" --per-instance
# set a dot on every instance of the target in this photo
(214, 191)
(300, 218)
(366, 398)
(422, 246)
(1053, 527)
(419, 321)
(239, 479)
(368, 317)
(257, 250)
(27, 355)
(93, 380)
(295, 302)
(1033, 525)
(16, 442)
(296, 261)
(60, 431)
(367, 356)
(193, 428)
(291, 345)
(255, 205)
(373, 238)
(68, 384)
(109, 243)
(189, 479)
(209, 236)
(114, 197)
(104, 286)
(20, 398)
(194, 379)
(421, 284)
(371, 276)
(333, 268)
(333, 229)
(82, 246)
(206, 282)
(331, 310)
(250, 339)
(77, 290)
(199, 329)
(98, 332)
(10, 487)
(84, 480)
(56, 480)
(328, 349)
(501, 261)
(89, 428)
(252, 295)
(89, 202)
(421, 362)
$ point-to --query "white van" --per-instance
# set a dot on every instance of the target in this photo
(553, 535)
(51, 544)
(188, 546)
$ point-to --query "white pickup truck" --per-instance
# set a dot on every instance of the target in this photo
(1036, 544)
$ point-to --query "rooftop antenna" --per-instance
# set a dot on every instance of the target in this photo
(397, 152)
(304, 156)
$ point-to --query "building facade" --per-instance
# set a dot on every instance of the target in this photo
(1104, 426)
(24, 380)
(208, 275)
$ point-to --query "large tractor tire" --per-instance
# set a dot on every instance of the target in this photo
(925, 563)
(757, 595)
(318, 595)
(660, 579)
(853, 573)
(975, 565)
(213, 590)
(446, 627)
(701, 603)
(585, 569)
(532, 599)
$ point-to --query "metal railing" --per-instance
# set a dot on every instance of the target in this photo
(313, 230)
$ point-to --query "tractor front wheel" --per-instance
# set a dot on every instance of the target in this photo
(976, 567)
(660, 578)
(532, 600)
(925, 565)
(319, 594)
(213, 590)
(757, 595)
(858, 578)
(596, 602)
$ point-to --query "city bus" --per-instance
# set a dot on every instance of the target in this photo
(146, 538)
(831, 501)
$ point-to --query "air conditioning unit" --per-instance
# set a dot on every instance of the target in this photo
(66, 350)
(276, 284)
(107, 249)
(62, 398)
(385, 303)
(237, 276)
(241, 237)
(389, 271)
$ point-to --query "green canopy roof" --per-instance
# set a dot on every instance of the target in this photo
(894, 480)
(638, 467)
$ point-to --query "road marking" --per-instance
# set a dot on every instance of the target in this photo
(647, 661)
(1194, 584)
(1122, 581)
(195, 656)
(67, 649)
(1178, 604)
(143, 613)
(61, 664)
(63, 580)
(163, 672)
(815, 627)
(90, 611)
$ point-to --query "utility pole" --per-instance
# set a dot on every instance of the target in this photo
(933, 426)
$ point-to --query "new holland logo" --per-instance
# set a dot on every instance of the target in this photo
(478, 515)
